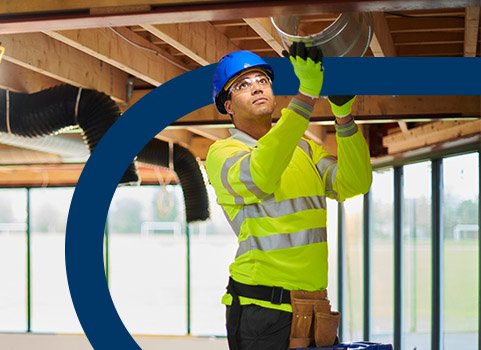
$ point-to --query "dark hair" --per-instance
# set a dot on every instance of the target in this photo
(222, 97)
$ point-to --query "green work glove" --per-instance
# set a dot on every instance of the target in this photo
(307, 67)
(341, 105)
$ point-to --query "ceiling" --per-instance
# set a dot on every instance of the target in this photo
(127, 48)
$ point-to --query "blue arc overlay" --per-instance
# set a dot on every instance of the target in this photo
(180, 96)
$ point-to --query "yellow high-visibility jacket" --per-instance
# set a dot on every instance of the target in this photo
(273, 192)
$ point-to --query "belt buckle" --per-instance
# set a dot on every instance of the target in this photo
(276, 295)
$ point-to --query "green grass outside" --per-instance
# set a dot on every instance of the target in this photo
(460, 287)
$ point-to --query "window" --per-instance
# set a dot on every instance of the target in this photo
(52, 308)
(150, 271)
(332, 242)
(461, 235)
(213, 248)
(353, 290)
(417, 265)
(382, 259)
(13, 260)
(148, 259)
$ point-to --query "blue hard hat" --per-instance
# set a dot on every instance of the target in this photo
(229, 67)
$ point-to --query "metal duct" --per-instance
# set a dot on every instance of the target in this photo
(349, 35)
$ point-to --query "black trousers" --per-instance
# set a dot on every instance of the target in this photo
(262, 328)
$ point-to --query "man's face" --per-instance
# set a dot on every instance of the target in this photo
(251, 96)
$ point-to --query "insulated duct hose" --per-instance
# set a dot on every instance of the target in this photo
(193, 185)
(48, 111)
(51, 110)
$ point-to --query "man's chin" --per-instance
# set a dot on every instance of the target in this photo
(264, 111)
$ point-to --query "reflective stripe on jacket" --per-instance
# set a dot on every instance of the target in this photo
(273, 192)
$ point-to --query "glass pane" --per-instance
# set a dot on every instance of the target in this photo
(461, 235)
(52, 308)
(147, 259)
(213, 248)
(13, 259)
(353, 286)
(332, 287)
(417, 256)
(382, 259)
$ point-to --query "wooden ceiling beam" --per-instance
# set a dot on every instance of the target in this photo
(419, 131)
(440, 12)
(375, 107)
(124, 49)
(19, 7)
(258, 46)
(39, 175)
(239, 32)
(431, 50)
(194, 11)
(202, 42)
(20, 79)
(407, 25)
(471, 29)
(430, 134)
(134, 98)
(42, 54)
(378, 107)
(382, 44)
(43, 175)
(182, 137)
(264, 28)
(428, 38)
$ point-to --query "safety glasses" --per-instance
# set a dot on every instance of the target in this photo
(247, 83)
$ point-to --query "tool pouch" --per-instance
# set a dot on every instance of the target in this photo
(326, 323)
(312, 320)
(301, 326)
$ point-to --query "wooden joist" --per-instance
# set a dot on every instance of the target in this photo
(123, 49)
(50, 57)
(63, 174)
(20, 79)
(471, 31)
(264, 28)
(382, 44)
(202, 42)
(430, 134)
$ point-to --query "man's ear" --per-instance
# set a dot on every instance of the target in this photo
(228, 107)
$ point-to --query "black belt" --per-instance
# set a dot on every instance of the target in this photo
(275, 295)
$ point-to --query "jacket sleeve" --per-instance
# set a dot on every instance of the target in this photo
(244, 175)
(351, 173)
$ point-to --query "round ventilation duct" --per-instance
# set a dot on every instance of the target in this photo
(349, 35)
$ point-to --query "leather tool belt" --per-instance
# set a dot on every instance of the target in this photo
(313, 322)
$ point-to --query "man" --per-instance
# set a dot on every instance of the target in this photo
(272, 185)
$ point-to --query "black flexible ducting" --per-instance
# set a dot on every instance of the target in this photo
(187, 169)
(48, 111)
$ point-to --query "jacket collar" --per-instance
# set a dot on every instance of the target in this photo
(243, 137)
